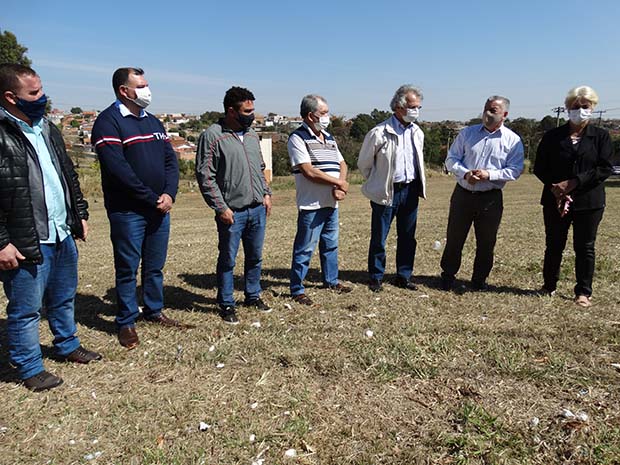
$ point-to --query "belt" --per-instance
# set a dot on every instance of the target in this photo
(252, 205)
(402, 185)
(476, 192)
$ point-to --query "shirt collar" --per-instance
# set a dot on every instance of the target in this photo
(486, 131)
(396, 124)
(125, 111)
(36, 127)
(307, 126)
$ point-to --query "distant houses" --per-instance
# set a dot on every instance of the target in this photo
(77, 130)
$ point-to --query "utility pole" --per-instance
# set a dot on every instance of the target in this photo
(557, 110)
(600, 115)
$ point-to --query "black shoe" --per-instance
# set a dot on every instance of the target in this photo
(545, 292)
(42, 382)
(405, 284)
(479, 286)
(229, 315)
(447, 283)
(375, 285)
(258, 304)
(82, 355)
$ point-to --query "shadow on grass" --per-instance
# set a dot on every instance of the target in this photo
(208, 281)
(272, 277)
(612, 182)
(281, 277)
(463, 286)
(90, 310)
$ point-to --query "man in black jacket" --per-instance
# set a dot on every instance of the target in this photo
(41, 210)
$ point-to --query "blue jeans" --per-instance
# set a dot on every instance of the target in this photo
(52, 283)
(315, 226)
(249, 228)
(405, 208)
(138, 237)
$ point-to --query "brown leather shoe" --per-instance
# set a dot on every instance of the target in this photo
(339, 288)
(82, 355)
(128, 337)
(163, 320)
(303, 299)
(42, 382)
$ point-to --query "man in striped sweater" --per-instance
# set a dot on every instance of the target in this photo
(139, 177)
(321, 181)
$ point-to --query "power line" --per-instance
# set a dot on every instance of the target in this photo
(600, 115)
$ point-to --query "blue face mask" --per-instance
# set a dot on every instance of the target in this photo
(33, 110)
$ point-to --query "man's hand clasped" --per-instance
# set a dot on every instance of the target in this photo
(475, 176)
(164, 204)
(340, 189)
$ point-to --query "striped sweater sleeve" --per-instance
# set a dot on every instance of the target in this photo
(108, 145)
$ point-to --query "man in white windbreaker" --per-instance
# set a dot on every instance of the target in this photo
(392, 162)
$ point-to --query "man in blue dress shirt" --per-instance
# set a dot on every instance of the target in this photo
(483, 158)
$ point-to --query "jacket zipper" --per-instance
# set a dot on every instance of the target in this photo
(247, 159)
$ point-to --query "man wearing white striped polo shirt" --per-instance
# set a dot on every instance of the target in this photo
(320, 179)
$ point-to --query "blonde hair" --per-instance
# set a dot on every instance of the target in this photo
(578, 92)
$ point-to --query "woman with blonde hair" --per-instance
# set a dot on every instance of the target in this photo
(573, 162)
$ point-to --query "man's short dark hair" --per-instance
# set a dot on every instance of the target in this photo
(235, 96)
(10, 74)
(121, 76)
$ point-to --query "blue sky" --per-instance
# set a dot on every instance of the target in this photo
(355, 53)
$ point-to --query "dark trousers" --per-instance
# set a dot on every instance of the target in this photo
(484, 210)
(585, 225)
(405, 209)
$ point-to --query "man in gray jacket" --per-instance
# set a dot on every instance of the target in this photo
(392, 162)
(229, 170)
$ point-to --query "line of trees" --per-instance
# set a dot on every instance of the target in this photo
(437, 137)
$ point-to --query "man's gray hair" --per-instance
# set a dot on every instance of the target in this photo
(400, 96)
(498, 98)
(310, 104)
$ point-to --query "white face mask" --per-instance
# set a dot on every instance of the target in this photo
(491, 120)
(579, 115)
(143, 96)
(412, 115)
(322, 123)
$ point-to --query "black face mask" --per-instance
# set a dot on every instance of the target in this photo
(33, 110)
(245, 121)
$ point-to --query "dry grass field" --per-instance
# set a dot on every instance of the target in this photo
(444, 378)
